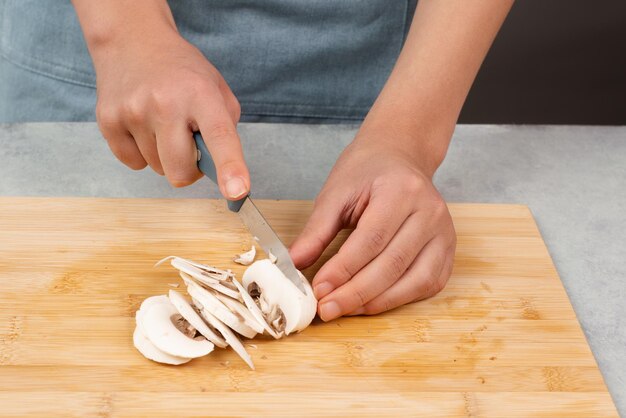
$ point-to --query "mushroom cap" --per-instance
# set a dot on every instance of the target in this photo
(186, 311)
(299, 309)
(156, 324)
(149, 350)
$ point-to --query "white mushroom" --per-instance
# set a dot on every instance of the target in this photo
(230, 337)
(149, 351)
(245, 259)
(255, 310)
(171, 333)
(240, 309)
(284, 306)
(220, 287)
(171, 330)
(214, 306)
(272, 257)
(186, 310)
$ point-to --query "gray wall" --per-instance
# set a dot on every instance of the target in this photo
(555, 62)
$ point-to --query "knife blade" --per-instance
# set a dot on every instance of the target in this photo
(252, 218)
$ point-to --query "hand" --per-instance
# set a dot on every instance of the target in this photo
(402, 248)
(152, 94)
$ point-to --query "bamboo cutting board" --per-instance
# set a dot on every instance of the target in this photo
(501, 340)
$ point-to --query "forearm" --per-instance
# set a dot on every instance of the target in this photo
(119, 22)
(420, 103)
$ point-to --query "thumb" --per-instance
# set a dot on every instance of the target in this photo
(221, 138)
(321, 228)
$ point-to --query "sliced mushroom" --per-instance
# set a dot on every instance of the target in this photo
(255, 310)
(171, 330)
(240, 309)
(186, 310)
(171, 333)
(214, 306)
(149, 350)
(245, 259)
(230, 336)
(221, 287)
(273, 291)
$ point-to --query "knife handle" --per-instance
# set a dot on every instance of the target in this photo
(207, 166)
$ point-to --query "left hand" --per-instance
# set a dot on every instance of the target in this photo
(402, 248)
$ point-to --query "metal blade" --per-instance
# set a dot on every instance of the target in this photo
(269, 241)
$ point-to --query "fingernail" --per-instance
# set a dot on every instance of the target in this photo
(329, 311)
(322, 290)
(235, 188)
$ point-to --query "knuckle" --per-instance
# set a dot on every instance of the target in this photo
(164, 104)
(361, 297)
(343, 272)
(203, 88)
(221, 132)
(180, 181)
(378, 307)
(398, 260)
(440, 208)
(412, 185)
(131, 159)
(107, 118)
(433, 286)
(134, 111)
(376, 239)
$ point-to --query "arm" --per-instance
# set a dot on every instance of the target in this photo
(422, 99)
(154, 89)
(403, 245)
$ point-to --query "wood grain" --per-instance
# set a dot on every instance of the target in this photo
(501, 340)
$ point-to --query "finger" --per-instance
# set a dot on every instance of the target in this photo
(120, 142)
(126, 150)
(376, 227)
(321, 228)
(177, 150)
(222, 141)
(146, 142)
(425, 278)
(380, 274)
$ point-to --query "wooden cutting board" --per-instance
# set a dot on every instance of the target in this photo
(501, 340)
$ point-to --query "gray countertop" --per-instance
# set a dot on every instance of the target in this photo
(573, 179)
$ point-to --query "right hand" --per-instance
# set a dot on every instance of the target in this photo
(153, 93)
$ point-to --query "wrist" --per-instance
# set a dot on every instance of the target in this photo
(424, 144)
(116, 26)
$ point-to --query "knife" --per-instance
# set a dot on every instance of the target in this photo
(252, 219)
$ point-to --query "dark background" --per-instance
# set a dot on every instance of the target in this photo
(554, 62)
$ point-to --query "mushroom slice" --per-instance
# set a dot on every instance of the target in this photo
(230, 336)
(272, 257)
(241, 309)
(186, 311)
(149, 350)
(152, 300)
(278, 292)
(255, 310)
(161, 324)
(245, 259)
(213, 305)
(219, 286)
(200, 271)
